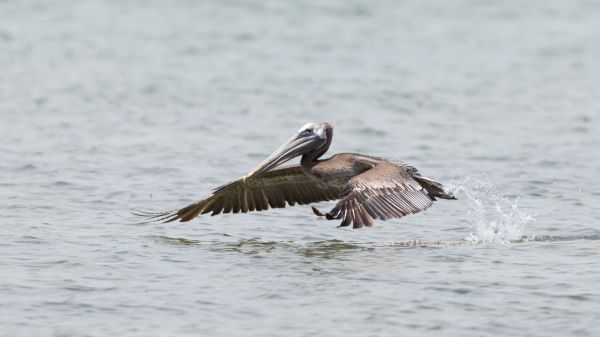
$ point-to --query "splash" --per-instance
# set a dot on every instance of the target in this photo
(492, 216)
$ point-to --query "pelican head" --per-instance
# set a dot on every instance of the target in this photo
(311, 137)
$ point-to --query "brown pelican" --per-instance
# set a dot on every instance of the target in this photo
(367, 187)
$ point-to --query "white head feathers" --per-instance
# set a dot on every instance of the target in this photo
(317, 128)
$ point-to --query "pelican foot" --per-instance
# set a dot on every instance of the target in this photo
(317, 212)
(328, 216)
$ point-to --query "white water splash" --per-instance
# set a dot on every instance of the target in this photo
(492, 216)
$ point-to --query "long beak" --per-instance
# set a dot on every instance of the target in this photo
(294, 147)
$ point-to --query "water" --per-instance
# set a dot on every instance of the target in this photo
(107, 106)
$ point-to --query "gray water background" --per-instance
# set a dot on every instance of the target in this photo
(107, 106)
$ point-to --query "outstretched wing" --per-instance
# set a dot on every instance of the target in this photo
(272, 189)
(385, 191)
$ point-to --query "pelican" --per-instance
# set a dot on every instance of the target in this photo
(366, 187)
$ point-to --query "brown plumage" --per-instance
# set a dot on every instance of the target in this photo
(367, 187)
(272, 189)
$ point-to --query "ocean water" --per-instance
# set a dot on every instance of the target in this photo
(110, 106)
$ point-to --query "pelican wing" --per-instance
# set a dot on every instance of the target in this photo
(272, 189)
(385, 191)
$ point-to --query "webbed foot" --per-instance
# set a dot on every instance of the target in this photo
(317, 212)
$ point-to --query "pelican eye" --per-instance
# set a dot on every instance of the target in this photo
(307, 132)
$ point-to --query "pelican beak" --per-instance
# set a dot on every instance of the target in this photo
(297, 146)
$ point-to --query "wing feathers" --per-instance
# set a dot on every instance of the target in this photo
(271, 190)
(382, 192)
(386, 190)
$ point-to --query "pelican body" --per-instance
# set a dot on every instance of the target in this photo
(366, 187)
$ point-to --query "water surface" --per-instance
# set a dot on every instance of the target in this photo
(109, 106)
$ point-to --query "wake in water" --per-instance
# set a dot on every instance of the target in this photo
(492, 216)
